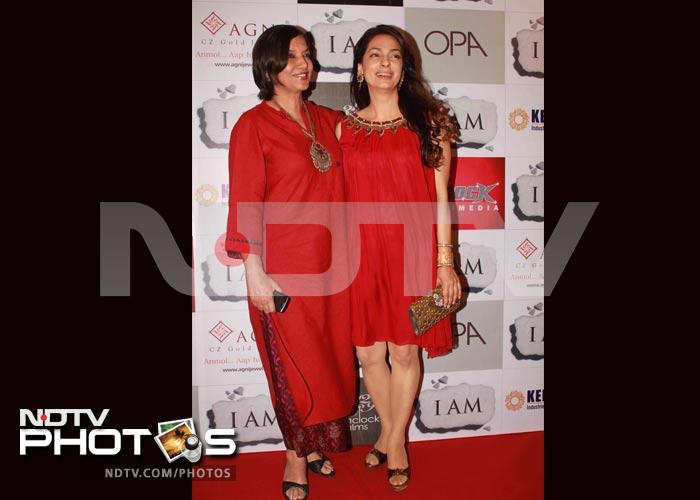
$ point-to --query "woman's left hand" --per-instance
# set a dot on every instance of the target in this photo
(451, 287)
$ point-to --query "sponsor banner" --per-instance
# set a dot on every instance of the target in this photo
(535, 6)
(219, 279)
(457, 4)
(523, 333)
(459, 46)
(524, 120)
(365, 424)
(223, 35)
(391, 3)
(524, 263)
(247, 409)
(478, 192)
(334, 95)
(482, 260)
(523, 400)
(524, 48)
(458, 404)
(225, 351)
(524, 193)
(479, 335)
(480, 112)
(336, 29)
(217, 107)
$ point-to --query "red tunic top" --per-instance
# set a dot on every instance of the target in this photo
(387, 167)
(269, 161)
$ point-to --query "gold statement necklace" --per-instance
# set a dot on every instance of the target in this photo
(320, 156)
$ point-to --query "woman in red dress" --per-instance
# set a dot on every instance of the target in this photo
(285, 150)
(396, 148)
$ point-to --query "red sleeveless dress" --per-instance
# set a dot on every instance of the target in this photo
(383, 164)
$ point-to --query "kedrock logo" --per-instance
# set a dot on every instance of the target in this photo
(42, 428)
(515, 400)
(213, 23)
(206, 195)
(517, 119)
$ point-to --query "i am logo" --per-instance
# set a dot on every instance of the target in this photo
(344, 47)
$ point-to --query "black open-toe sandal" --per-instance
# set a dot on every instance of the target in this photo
(380, 456)
(317, 466)
(286, 485)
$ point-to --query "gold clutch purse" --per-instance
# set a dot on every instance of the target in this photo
(428, 310)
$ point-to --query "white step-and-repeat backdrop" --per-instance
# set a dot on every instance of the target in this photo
(486, 60)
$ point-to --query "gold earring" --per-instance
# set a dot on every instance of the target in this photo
(401, 81)
(360, 78)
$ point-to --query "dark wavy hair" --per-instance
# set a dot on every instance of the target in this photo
(271, 53)
(426, 116)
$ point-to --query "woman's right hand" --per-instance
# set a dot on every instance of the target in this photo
(260, 287)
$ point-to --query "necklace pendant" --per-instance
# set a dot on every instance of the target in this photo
(320, 157)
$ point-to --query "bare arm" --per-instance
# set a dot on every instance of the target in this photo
(447, 277)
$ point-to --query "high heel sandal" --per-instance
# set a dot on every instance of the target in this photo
(380, 456)
(286, 485)
(399, 472)
(316, 466)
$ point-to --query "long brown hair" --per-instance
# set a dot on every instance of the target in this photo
(426, 116)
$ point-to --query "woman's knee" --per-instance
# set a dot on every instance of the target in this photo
(404, 355)
(372, 355)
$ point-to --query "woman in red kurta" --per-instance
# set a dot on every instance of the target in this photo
(306, 350)
(396, 149)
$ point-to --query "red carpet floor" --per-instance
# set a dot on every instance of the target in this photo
(504, 467)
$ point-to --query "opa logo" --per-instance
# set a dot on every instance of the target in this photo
(437, 42)
(515, 400)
